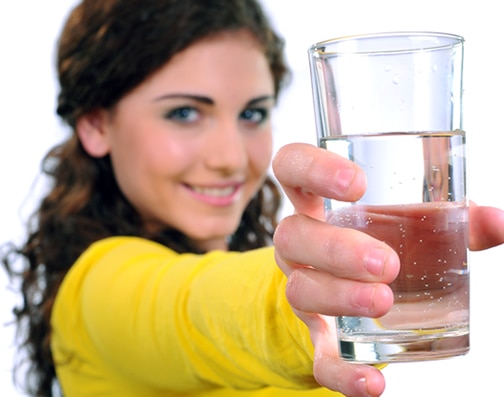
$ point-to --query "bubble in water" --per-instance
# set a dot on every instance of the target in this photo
(396, 79)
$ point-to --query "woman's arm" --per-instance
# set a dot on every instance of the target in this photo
(137, 312)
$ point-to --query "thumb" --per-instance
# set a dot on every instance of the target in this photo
(307, 174)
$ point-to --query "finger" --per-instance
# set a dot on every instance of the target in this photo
(307, 173)
(352, 380)
(333, 373)
(311, 291)
(486, 227)
(347, 253)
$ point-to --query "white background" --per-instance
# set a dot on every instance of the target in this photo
(28, 30)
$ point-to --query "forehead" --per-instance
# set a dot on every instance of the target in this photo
(228, 61)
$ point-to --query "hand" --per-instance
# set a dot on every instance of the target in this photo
(333, 271)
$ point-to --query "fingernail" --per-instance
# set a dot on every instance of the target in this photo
(361, 386)
(364, 297)
(344, 178)
(374, 261)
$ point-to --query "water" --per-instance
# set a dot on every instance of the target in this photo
(416, 203)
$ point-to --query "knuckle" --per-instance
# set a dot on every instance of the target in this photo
(293, 289)
(282, 238)
(329, 249)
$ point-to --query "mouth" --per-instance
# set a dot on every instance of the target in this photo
(214, 191)
(217, 196)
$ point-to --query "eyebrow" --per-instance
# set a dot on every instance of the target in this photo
(208, 100)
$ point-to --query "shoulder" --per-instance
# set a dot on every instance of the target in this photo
(120, 244)
(109, 253)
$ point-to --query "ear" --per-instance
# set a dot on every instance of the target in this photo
(92, 132)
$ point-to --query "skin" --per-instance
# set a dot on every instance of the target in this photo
(327, 286)
(188, 153)
(190, 148)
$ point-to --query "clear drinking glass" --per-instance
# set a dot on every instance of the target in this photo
(392, 102)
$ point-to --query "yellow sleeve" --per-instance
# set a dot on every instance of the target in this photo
(181, 322)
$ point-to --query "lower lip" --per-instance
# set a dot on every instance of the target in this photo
(217, 201)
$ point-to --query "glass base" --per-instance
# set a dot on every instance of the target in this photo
(404, 347)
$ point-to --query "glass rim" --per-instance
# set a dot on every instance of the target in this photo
(452, 40)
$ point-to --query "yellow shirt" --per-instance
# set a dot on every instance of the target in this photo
(134, 318)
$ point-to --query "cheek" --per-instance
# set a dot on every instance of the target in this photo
(149, 163)
(260, 153)
(132, 173)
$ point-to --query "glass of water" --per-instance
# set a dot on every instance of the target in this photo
(392, 103)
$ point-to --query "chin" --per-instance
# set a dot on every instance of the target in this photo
(205, 227)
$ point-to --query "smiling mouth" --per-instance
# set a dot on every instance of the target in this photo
(214, 191)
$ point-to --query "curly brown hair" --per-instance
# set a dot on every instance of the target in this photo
(106, 49)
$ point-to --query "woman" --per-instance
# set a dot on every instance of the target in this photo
(148, 268)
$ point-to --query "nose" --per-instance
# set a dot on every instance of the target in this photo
(226, 147)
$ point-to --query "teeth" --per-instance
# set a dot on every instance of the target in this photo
(214, 191)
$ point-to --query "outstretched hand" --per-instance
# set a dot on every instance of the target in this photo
(334, 271)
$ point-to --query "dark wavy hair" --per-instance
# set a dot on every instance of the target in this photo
(107, 48)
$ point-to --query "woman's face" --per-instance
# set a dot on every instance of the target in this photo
(190, 146)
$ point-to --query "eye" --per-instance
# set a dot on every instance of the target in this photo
(254, 115)
(183, 114)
